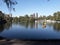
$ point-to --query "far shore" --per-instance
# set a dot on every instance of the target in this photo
(52, 21)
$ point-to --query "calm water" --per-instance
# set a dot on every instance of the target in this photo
(30, 31)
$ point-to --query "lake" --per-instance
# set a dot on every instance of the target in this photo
(30, 31)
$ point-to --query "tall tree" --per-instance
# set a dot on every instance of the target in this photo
(10, 4)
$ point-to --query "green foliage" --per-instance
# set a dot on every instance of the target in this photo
(22, 19)
(1, 15)
(32, 20)
(4, 17)
(15, 19)
(56, 15)
(10, 4)
(49, 17)
(42, 17)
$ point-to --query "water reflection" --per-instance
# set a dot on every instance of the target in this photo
(5, 26)
(44, 25)
(36, 24)
(17, 32)
(27, 24)
(24, 24)
(32, 24)
(56, 26)
(1, 27)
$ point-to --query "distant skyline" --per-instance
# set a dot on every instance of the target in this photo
(42, 7)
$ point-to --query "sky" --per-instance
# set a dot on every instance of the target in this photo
(42, 7)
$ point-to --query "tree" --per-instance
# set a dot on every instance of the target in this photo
(49, 17)
(44, 17)
(26, 16)
(1, 15)
(56, 15)
(10, 4)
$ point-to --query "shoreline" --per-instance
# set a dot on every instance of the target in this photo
(3, 22)
(22, 42)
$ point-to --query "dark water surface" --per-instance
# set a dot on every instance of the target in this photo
(30, 31)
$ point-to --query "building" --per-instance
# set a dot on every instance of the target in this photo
(36, 15)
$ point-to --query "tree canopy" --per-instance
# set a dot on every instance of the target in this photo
(10, 4)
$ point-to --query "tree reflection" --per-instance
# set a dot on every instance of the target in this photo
(27, 24)
(1, 27)
(32, 25)
(5, 26)
(43, 26)
(56, 26)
